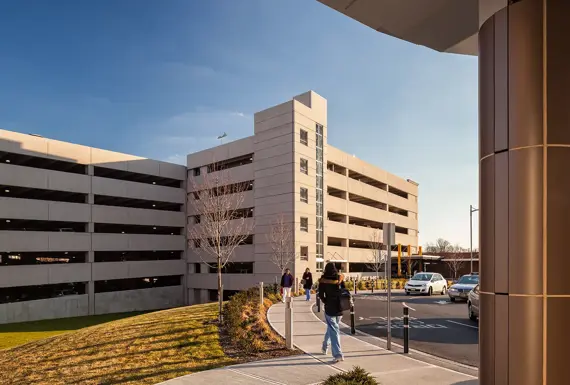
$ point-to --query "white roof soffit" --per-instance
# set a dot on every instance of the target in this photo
(443, 25)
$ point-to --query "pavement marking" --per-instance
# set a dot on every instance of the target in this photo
(442, 302)
(462, 324)
(255, 377)
(401, 347)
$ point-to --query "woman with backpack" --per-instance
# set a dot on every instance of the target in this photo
(307, 283)
(331, 285)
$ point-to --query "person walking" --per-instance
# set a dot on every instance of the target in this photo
(329, 292)
(308, 283)
(286, 284)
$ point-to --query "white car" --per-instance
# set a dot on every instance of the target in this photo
(426, 283)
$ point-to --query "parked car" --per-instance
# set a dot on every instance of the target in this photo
(426, 283)
(461, 289)
(473, 304)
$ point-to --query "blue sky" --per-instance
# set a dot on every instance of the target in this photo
(163, 78)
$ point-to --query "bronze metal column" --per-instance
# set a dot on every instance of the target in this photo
(524, 75)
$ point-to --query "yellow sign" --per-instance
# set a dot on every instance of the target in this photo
(399, 259)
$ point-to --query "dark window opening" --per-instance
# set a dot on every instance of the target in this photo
(197, 268)
(105, 200)
(304, 224)
(36, 292)
(233, 188)
(231, 163)
(234, 268)
(336, 192)
(304, 195)
(336, 217)
(369, 181)
(230, 215)
(136, 283)
(398, 211)
(43, 163)
(113, 228)
(357, 244)
(367, 201)
(365, 223)
(41, 257)
(33, 225)
(304, 137)
(332, 241)
(304, 253)
(41, 194)
(358, 267)
(304, 166)
(196, 219)
(196, 171)
(136, 177)
(224, 241)
(336, 168)
(401, 230)
(122, 256)
(398, 192)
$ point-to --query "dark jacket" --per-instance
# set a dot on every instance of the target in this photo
(308, 277)
(287, 280)
(329, 293)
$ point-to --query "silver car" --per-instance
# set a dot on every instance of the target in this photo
(473, 304)
(461, 289)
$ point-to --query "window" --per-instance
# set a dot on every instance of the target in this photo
(320, 266)
(305, 224)
(197, 243)
(197, 171)
(305, 166)
(196, 219)
(304, 253)
(304, 195)
(304, 138)
(197, 268)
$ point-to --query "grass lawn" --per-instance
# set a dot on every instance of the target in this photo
(145, 349)
(20, 333)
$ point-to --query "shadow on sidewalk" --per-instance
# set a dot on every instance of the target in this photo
(469, 382)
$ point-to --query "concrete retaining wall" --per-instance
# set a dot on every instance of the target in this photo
(135, 300)
(62, 307)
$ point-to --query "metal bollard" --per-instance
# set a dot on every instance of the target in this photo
(318, 303)
(355, 285)
(288, 323)
(261, 293)
(406, 327)
(373, 284)
(352, 325)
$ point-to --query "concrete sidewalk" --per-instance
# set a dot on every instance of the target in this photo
(313, 367)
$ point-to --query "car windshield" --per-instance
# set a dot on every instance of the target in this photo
(469, 280)
(422, 277)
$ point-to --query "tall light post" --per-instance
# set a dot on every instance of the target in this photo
(471, 211)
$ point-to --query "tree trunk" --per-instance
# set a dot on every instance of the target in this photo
(220, 293)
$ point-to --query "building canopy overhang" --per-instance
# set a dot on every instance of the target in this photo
(443, 25)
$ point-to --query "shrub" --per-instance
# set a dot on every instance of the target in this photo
(349, 285)
(245, 320)
(357, 376)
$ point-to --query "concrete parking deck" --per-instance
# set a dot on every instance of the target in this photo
(313, 367)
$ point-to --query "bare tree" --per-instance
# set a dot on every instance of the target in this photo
(440, 246)
(377, 259)
(455, 260)
(221, 223)
(281, 238)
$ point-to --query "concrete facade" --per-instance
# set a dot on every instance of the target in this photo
(281, 159)
(87, 231)
(110, 211)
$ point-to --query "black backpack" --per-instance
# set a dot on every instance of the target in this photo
(345, 299)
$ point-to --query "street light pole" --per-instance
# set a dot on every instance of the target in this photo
(471, 211)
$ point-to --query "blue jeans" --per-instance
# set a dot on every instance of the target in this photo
(308, 294)
(332, 336)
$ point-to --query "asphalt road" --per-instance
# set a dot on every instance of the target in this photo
(437, 326)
